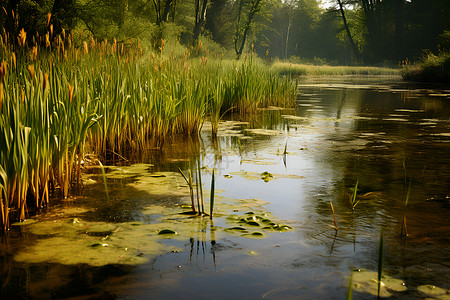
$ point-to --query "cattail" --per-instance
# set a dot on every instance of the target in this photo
(3, 69)
(85, 48)
(2, 76)
(70, 93)
(5, 37)
(22, 96)
(1, 94)
(51, 31)
(34, 53)
(13, 59)
(92, 43)
(63, 33)
(49, 16)
(22, 37)
(47, 40)
(31, 71)
(45, 82)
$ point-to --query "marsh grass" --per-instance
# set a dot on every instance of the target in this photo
(286, 68)
(59, 99)
(429, 68)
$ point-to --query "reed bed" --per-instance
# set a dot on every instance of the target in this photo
(314, 70)
(60, 96)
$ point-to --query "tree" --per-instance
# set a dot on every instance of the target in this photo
(200, 12)
(347, 30)
(246, 14)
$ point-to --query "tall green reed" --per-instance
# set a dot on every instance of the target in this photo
(59, 99)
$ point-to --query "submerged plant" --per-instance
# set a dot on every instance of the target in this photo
(353, 201)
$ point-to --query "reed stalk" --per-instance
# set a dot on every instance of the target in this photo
(63, 97)
(380, 262)
(334, 216)
(211, 202)
(404, 230)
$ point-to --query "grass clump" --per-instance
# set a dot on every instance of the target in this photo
(294, 69)
(62, 98)
(430, 68)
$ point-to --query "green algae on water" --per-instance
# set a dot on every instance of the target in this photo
(364, 281)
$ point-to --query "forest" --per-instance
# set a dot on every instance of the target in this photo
(342, 32)
(224, 149)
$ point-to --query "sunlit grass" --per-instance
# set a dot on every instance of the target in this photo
(313, 70)
(61, 97)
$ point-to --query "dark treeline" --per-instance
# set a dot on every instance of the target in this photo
(343, 32)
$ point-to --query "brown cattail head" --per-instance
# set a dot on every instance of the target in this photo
(51, 30)
(85, 48)
(45, 82)
(13, 59)
(1, 94)
(70, 93)
(47, 40)
(31, 71)
(49, 16)
(3, 69)
(34, 53)
(22, 38)
(5, 36)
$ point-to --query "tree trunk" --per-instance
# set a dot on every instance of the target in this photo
(253, 10)
(11, 19)
(199, 20)
(350, 38)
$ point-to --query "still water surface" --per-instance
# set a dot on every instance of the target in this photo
(387, 139)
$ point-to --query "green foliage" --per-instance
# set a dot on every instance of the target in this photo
(59, 99)
(431, 68)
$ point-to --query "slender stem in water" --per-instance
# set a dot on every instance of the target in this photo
(334, 216)
(211, 203)
(380, 261)
(200, 185)
(350, 288)
(191, 190)
(104, 179)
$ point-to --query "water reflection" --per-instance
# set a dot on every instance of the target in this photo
(382, 138)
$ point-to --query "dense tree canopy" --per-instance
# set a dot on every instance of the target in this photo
(343, 32)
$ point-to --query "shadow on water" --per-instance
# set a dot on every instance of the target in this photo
(367, 148)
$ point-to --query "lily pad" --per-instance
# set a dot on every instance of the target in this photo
(167, 231)
(434, 291)
(367, 282)
(266, 176)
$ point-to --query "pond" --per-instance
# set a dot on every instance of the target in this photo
(377, 149)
